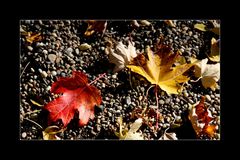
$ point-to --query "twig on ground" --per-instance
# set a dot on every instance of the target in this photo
(24, 69)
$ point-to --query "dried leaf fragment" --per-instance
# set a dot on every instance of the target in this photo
(168, 136)
(170, 23)
(95, 26)
(215, 52)
(121, 55)
(33, 37)
(50, 133)
(201, 118)
(209, 73)
(132, 133)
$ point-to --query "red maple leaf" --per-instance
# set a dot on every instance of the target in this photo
(78, 95)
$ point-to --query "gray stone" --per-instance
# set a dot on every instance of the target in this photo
(45, 51)
(161, 102)
(52, 57)
(190, 33)
(177, 100)
(44, 74)
(54, 34)
(185, 94)
(208, 98)
(32, 70)
(54, 73)
(77, 51)
(98, 128)
(114, 76)
(128, 100)
(103, 85)
(69, 50)
(167, 101)
(195, 36)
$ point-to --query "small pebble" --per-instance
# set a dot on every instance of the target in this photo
(177, 100)
(45, 51)
(44, 74)
(52, 57)
(98, 121)
(77, 51)
(167, 101)
(103, 85)
(32, 70)
(181, 50)
(191, 101)
(98, 128)
(114, 76)
(24, 135)
(190, 33)
(161, 102)
(93, 133)
(128, 100)
(119, 107)
(48, 88)
(195, 36)
(69, 50)
(176, 107)
(185, 94)
(40, 70)
(54, 34)
(208, 98)
(54, 73)
(29, 48)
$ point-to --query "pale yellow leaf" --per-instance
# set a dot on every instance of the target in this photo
(201, 27)
(50, 133)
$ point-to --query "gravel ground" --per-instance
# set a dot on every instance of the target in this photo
(58, 54)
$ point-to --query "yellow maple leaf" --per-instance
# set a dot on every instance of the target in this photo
(158, 69)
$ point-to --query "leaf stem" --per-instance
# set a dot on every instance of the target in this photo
(24, 69)
(157, 107)
(99, 77)
(33, 122)
(147, 92)
(196, 79)
(31, 112)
